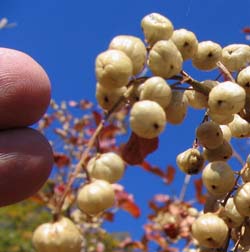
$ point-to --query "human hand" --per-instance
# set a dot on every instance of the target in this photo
(26, 158)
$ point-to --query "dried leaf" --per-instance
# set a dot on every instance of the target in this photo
(201, 198)
(246, 30)
(97, 117)
(62, 133)
(154, 169)
(108, 132)
(61, 160)
(84, 104)
(136, 149)
(131, 207)
(108, 216)
(126, 202)
(170, 173)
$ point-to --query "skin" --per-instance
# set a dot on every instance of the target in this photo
(26, 157)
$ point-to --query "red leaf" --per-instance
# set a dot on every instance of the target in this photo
(97, 117)
(198, 188)
(126, 202)
(170, 173)
(246, 30)
(154, 169)
(84, 104)
(130, 207)
(61, 159)
(137, 148)
(108, 216)
(108, 132)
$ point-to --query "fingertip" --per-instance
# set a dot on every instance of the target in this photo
(25, 89)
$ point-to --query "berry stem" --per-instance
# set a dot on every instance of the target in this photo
(184, 187)
(225, 71)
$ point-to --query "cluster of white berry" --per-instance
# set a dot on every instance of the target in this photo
(154, 103)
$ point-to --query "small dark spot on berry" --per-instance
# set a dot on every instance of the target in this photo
(156, 126)
(213, 186)
(217, 134)
(210, 239)
(106, 99)
(210, 55)
(225, 157)
(171, 66)
(247, 84)
(219, 102)
(185, 44)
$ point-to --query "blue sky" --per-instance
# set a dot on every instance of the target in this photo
(66, 36)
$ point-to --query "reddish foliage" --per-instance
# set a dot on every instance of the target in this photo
(108, 216)
(198, 189)
(170, 174)
(167, 176)
(136, 149)
(97, 117)
(61, 160)
(154, 169)
(84, 104)
(126, 202)
(246, 30)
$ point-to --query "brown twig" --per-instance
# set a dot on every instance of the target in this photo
(225, 71)
(91, 143)
(199, 87)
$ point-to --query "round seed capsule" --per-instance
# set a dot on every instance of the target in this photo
(245, 174)
(134, 48)
(165, 60)
(186, 43)
(242, 199)
(231, 215)
(209, 135)
(113, 69)
(218, 178)
(107, 166)
(156, 27)
(190, 161)
(235, 56)
(243, 79)
(107, 97)
(220, 118)
(147, 119)
(196, 100)
(221, 153)
(96, 197)
(239, 127)
(207, 55)
(177, 109)
(210, 230)
(227, 135)
(61, 236)
(156, 89)
(226, 98)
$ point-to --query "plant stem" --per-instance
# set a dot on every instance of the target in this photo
(91, 143)
(225, 71)
(184, 187)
